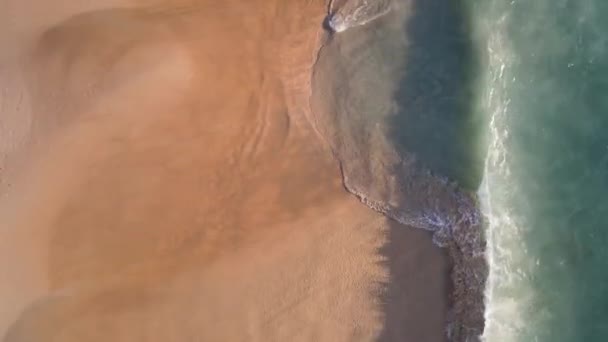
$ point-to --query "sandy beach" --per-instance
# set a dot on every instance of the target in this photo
(160, 180)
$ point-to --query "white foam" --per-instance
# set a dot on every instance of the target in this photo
(507, 295)
(364, 12)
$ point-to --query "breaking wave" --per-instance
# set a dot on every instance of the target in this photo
(357, 13)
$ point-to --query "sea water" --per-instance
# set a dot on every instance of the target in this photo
(507, 99)
(545, 183)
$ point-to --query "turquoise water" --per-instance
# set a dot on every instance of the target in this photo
(546, 176)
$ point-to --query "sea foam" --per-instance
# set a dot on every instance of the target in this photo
(356, 13)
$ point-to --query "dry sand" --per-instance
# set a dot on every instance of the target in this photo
(159, 181)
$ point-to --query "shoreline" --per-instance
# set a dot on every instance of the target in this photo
(464, 243)
(186, 194)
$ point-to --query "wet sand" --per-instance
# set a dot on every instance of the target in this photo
(160, 181)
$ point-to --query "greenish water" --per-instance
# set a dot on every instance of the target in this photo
(546, 176)
(509, 98)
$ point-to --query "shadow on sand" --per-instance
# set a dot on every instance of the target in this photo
(414, 301)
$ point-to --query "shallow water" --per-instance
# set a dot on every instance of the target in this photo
(392, 98)
(389, 104)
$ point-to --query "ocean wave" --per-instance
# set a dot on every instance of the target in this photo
(357, 13)
(504, 315)
(454, 211)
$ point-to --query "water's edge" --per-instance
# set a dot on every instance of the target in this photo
(462, 236)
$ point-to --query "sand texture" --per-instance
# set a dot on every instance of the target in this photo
(160, 181)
